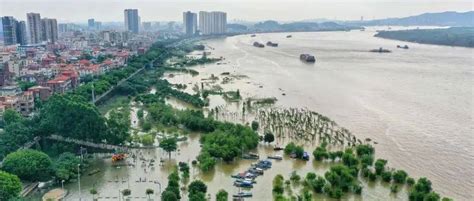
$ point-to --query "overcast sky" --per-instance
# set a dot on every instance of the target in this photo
(251, 10)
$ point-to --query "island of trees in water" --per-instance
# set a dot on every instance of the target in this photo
(73, 116)
(454, 36)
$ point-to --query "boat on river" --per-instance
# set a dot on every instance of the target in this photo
(251, 156)
(380, 50)
(257, 44)
(253, 35)
(307, 58)
(278, 148)
(272, 44)
(275, 157)
(403, 47)
(242, 195)
(289, 36)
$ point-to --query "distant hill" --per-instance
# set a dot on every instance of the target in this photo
(274, 26)
(454, 36)
(449, 18)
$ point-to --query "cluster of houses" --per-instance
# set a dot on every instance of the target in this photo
(32, 73)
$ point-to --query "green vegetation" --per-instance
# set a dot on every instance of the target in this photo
(341, 180)
(268, 137)
(147, 139)
(278, 187)
(184, 168)
(29, 165)
(320, 153)
(10, 186)
(65, 167)
(255, 125)
(149, 192)
(186, 61)
(17, 131)
(454, 36)
(171, 192)
(169, 145)
(182, 70)
(25, 85)
(293, 149)
(222, 195)
(197, 191)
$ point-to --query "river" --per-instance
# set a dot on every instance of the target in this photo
(417, 104)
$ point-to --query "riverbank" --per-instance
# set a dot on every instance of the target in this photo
(455, 36)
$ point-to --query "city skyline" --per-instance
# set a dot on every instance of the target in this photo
(281, 10)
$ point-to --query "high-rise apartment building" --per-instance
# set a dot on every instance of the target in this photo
(189, 23)
(146, 26)
(62, 28)
(21, 33)
(34, 27)
(14, 32)
(132, 20)
(49, 30)
(214, 22)
(9, 30)
(98, 25)
(91, 24)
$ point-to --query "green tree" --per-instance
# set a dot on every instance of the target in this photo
(295, 178)
(168, 196)
(366, 160)
(432, 196)
(222, 195)
(11, 116)
(197, 186)
(349, 160)
(118, 124)
(169, 145)
(65, 166)
(317, 184)
(147, 140)
(320, 153)
(340, 178)
(268, 137)
(278, 184)
(380, 166)
(387, 176)
(400, 176)
(206, 161)
(255, 125)
(364, 149)
(14, 136)
(149, 192)
(93, 192)
(126, 192)
(10, 186)
(29, 165)
(72, 116)
(198, 196)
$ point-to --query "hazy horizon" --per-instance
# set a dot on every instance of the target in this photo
(247, 10)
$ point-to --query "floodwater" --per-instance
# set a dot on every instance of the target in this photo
(416, 103)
